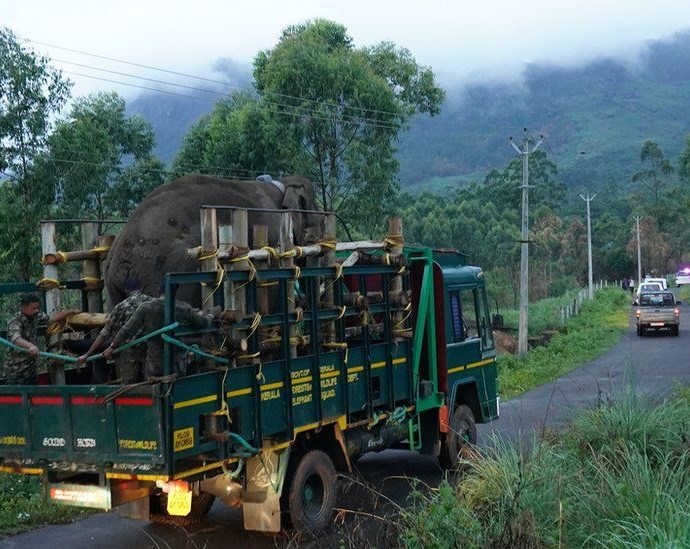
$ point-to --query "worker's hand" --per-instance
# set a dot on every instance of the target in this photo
(108, 353)
(81, 360)
(33, 350)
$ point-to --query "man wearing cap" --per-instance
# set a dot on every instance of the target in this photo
(129, 362)
(23, 329)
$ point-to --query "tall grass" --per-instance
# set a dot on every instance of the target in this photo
(599, 325)
(620, 477)
(543, 314)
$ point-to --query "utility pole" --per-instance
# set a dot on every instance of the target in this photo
(524, 243)
(588, 199)
(639, 249)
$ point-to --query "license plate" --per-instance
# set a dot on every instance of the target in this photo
(179, 503)
(657, 324)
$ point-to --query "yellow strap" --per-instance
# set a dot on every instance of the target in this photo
(341, 314)
(297, 271)
(207, 254)
(271, 251)
(394, 240)
(100, 249)
(49, 284)
(252, 355)
(329, 245)
(300, 315)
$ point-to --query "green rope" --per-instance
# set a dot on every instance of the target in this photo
(398, 415)
(121, 348)
(194, 350)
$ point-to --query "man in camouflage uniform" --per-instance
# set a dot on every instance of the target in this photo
(149, 317)
(129, 362)
(23, 329)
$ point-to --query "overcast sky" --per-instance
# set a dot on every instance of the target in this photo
(462, 40)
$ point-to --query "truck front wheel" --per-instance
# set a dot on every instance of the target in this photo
(310, 492)
(462, 433)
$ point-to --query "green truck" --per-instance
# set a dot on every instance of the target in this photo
(400, 355)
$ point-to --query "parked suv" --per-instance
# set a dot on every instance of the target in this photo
(662, 281)
(646, 287)
(683, 277)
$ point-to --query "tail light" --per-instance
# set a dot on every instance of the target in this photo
(677, 311)
(637, 313)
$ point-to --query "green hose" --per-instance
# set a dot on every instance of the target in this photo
(194, 350)
(237, 438)
(66, 358)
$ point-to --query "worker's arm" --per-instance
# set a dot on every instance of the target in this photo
(94, 347)
(127, 332)
(14, 334)
(61, 315)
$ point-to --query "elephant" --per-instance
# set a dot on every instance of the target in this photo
(157, 236)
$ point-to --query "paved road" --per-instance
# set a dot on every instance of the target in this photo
(653, 363)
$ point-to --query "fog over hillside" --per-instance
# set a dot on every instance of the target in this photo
(595, 117)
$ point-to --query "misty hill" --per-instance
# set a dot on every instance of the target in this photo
(605, 109)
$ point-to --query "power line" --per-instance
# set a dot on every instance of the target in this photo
(370, 122)
(201, 78)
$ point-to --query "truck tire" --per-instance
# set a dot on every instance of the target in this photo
(310, 492)
(201, 505)
(640, 331)
(462, 433)
(675, 330)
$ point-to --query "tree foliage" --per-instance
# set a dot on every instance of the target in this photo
(31, 93)
(101, 159)
(325, 109)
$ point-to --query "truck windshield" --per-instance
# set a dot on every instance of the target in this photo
(657, 300)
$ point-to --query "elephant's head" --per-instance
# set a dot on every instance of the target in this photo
(299, 195)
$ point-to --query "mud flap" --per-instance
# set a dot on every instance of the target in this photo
(265, 474)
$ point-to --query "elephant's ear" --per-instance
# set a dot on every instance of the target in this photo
(298, 196)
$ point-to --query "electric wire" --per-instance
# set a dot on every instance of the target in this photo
(201, 78)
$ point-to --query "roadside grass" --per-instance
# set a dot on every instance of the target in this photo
(22, 506)
(684, 294)
(618, 477)
(543, 314)
(599, 326)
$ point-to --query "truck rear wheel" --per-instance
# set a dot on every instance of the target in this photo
(201, 505)
(674, 330)
(462, 433)
(310, 492)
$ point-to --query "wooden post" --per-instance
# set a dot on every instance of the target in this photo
(224, 244)
(395, 229)
(48, 240)
(49, 245)
(260, 239)
(209, 245)
(286, 245)
(240, 235)
(91, 268)
(106, 240)
(328, 260)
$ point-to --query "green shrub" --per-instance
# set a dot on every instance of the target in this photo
(22, 506)
(576, 490)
